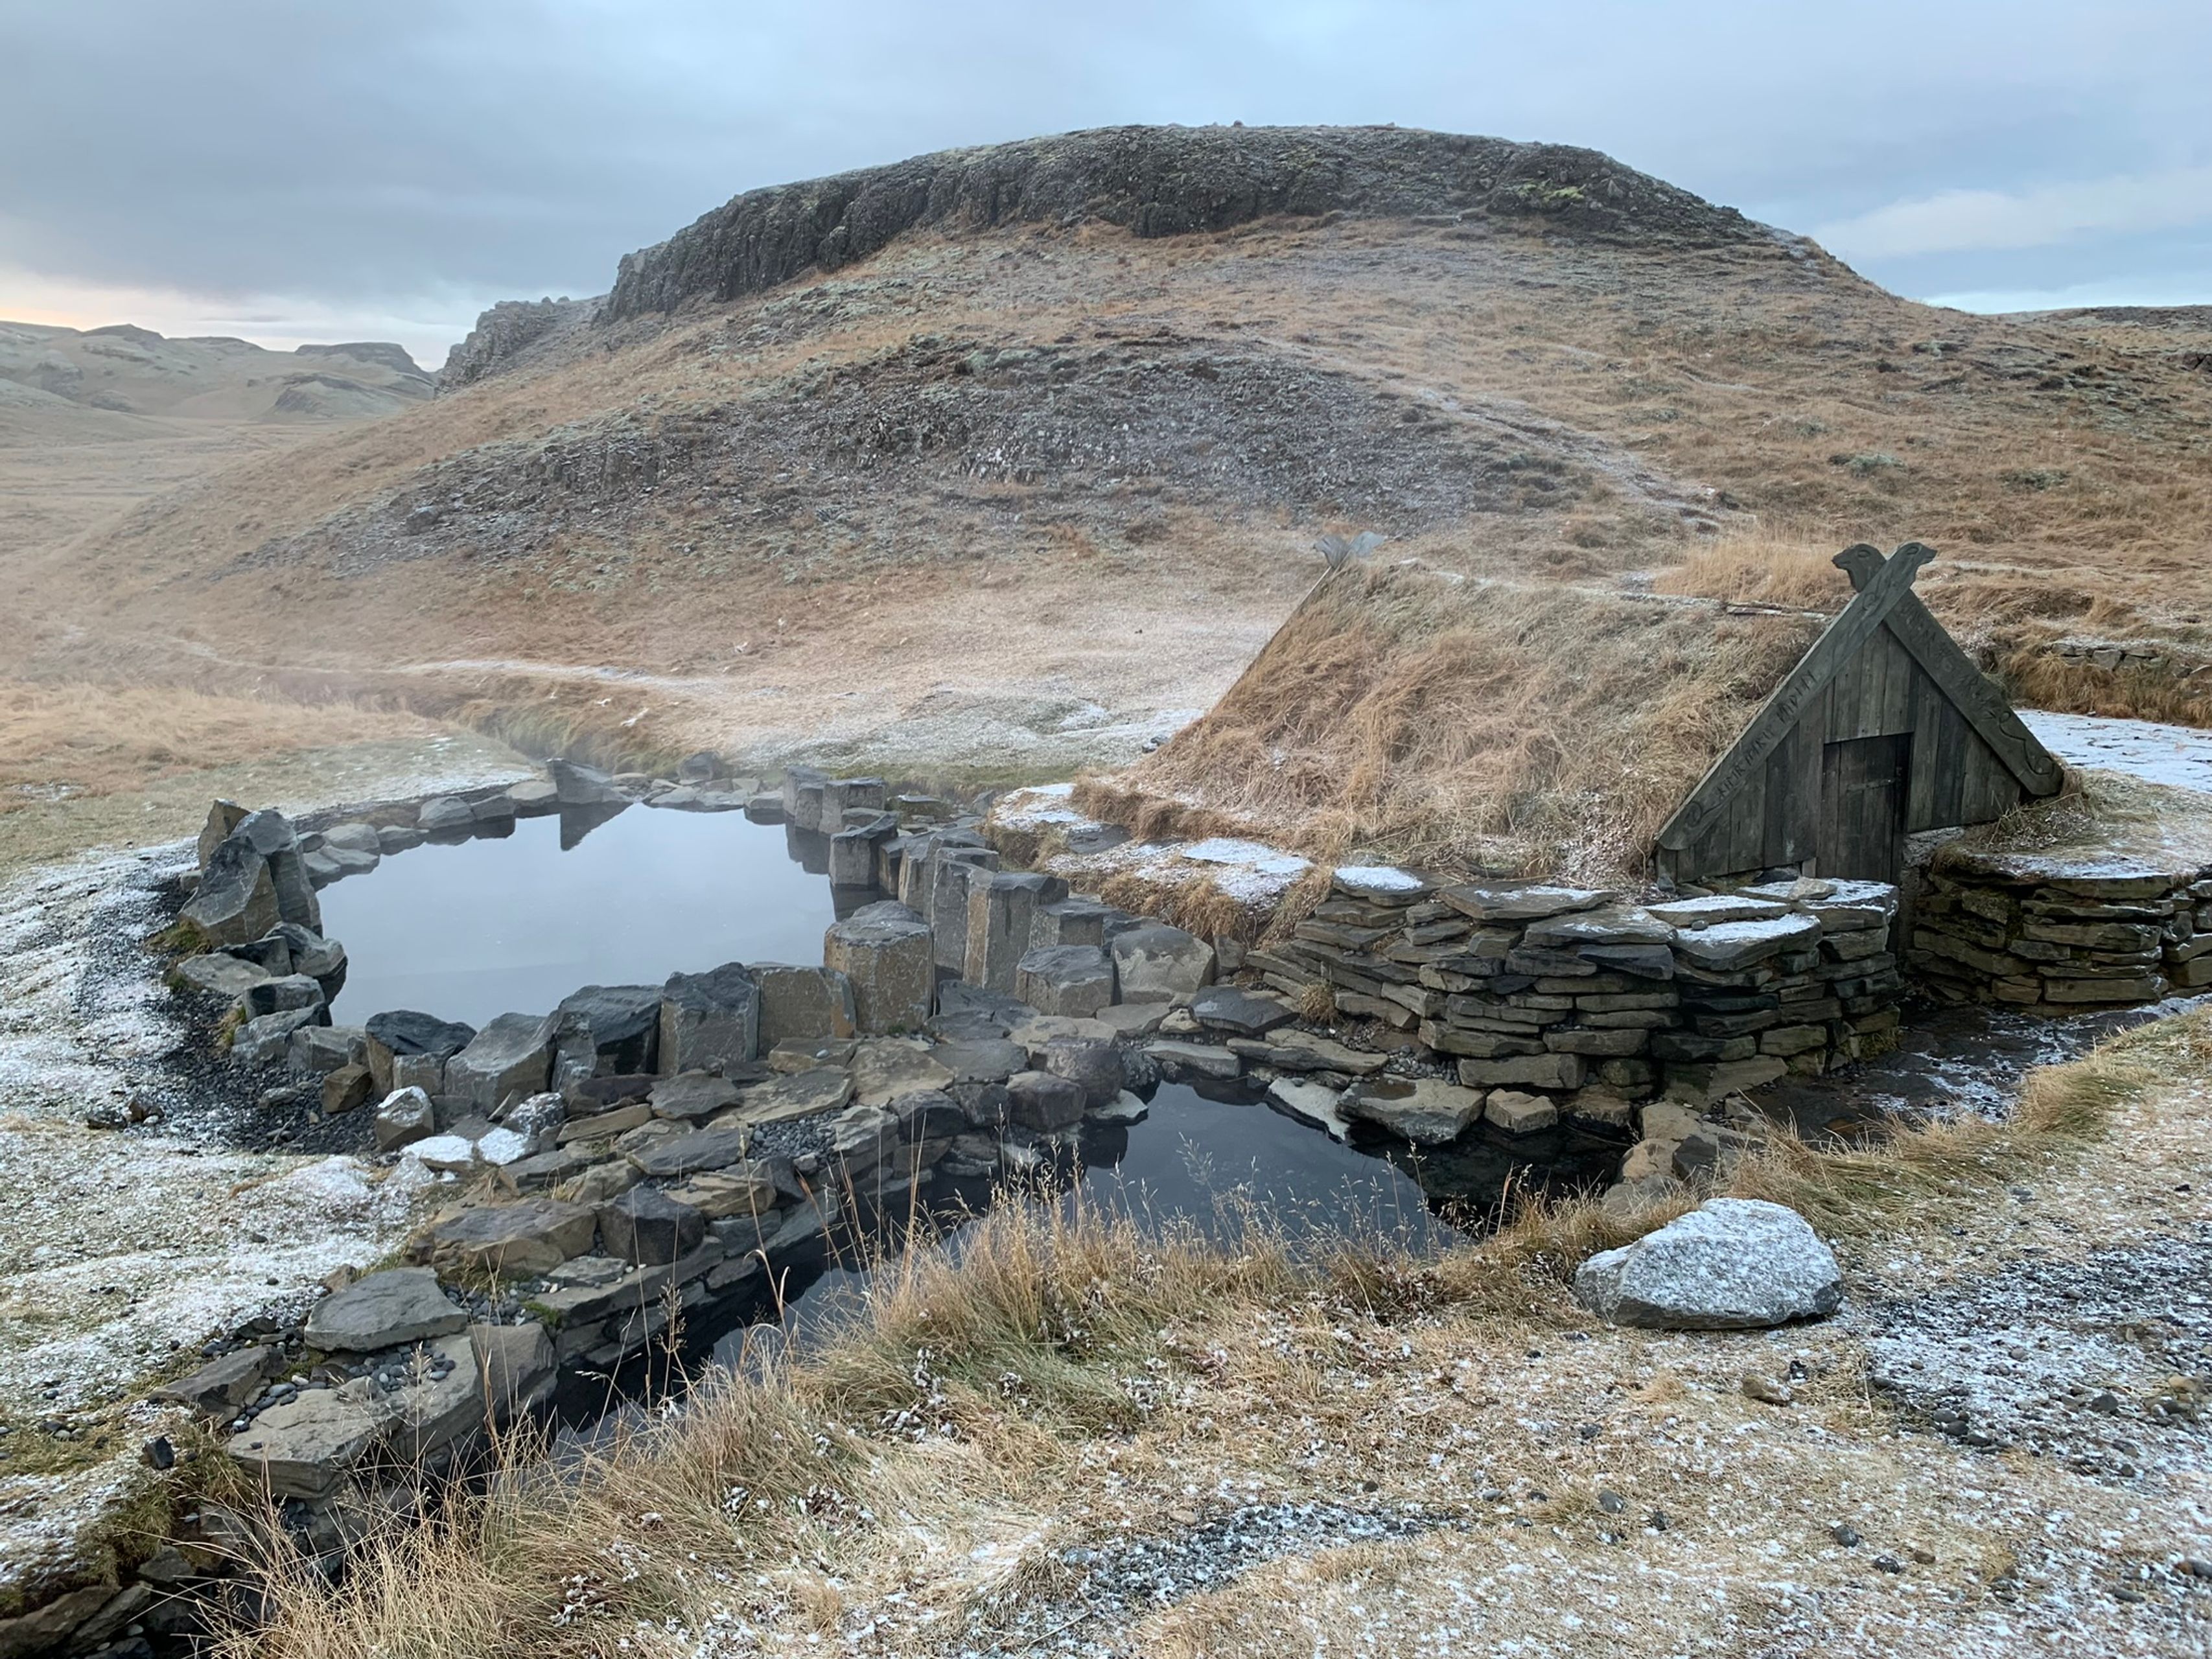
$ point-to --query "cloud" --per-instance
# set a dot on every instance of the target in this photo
(1991, 221)
(2118, 292)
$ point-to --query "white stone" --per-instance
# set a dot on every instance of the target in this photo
(1730, 1264)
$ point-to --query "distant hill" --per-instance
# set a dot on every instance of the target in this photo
(122, 369)
(1073, 411)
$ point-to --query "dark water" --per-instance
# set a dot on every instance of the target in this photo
(476, 928)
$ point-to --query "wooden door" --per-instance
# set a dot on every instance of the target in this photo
(1862, 794)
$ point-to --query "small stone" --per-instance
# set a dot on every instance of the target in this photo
(1846, 1534)
(1765, 1390)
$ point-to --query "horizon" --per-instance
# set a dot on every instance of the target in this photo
(295, 179)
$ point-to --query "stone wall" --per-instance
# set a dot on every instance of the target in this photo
(2060, 935)
(1584, 994)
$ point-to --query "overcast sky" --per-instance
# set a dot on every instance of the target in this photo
(334, 169)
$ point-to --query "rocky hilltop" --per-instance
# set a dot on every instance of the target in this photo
(1056, 426)
(1158, 181)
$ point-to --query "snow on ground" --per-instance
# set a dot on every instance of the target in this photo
(2178, 756)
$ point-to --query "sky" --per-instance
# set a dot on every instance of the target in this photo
(289, 170)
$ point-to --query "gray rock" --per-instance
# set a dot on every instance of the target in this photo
(1040, 1101)
(646, 1226)
(1000, 908)
(1611, 924)
(624, 1025)
(843, 795)
(1730, 944)
(513, 1055)
(344, 1090)
(1155, 962)
(328, 864)
(1070, 921)
(802, 797)
(764, 809)
(929, 1115)
(221, 974)
(436, 1407)
(802, 1094)
(399, 838)
(1730, 1264)
(691, 1153)
(884, 950)
(693, 1097)
(703, 766)
(1423, 1110)
(306, 1447)
(282, 995)
(400, 1304)
(1242, 1012)
(236, 899)
(709, 1020)
(533, 798)
(958, 869)
(267, 1040)
(575, 785)
(884, 1068)
(226, 1382)
(1178, 1060)
(853, 852)
(406, 1116)
(290, 948)
(1065, 979)
(981, 1060)
(1092, 1065)
(223, 818)
(448, 816)
(404, 1034)
(272, 837)
(802, 1005)
(515, 1241)
(1310, 1103)
(514, 1367)
(1563, 1072)
(1522, 900)
(1519, 1114)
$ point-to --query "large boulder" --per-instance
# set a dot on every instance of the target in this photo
(409, 1050)
(282, 996)
(883, 949)
(624, 1025)
(221, 974)
(710, 1019)
(271, 835)
(1065, 979)
(401, 1304)
(884, 1068)
(266, 1040)
(1092, 1065)
(236, 900)
(958, 869)
(1155, 962)
(319, 1050)
(802, 1005)
(802, 797)
(513, 1055)
(1043, 1101)
(1730, 1264)
(223, 817)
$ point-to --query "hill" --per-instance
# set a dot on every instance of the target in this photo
(961, 456)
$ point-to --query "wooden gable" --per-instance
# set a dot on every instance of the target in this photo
(1884, 728)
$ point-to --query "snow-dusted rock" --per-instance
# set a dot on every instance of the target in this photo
(1730, 1264)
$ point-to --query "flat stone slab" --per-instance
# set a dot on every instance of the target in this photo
(882, 1070)
(1521, 902)
(1608, 924)
(689, 1154)
(694, 1097)
(1729, 945)
(1245, 1013)
(802, 1094)
(1699, 913)
(1386, 882)
(306, 1447)
(981, 1062)
(1730, 1264)
(1424, 1110)
(219, 1388)
(222, 974)
(515, 1240)
(401, 1304)
(1301, 1051)
(1195, 1059)
(1310, 1103)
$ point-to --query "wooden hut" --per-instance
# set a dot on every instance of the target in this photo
(1883, 728)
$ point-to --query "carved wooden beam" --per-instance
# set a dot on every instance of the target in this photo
(1986, 708)
(1845, 636)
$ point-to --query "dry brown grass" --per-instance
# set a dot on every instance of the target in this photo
(1758, 566)
(1464, 725)
(1008, 1391)
(98, 740)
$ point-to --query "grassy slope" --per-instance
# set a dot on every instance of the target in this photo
(2061, 465)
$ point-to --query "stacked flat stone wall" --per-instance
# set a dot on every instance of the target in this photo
(1583, 994)
(2056, 936)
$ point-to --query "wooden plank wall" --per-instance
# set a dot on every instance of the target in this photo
(1774, 817)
